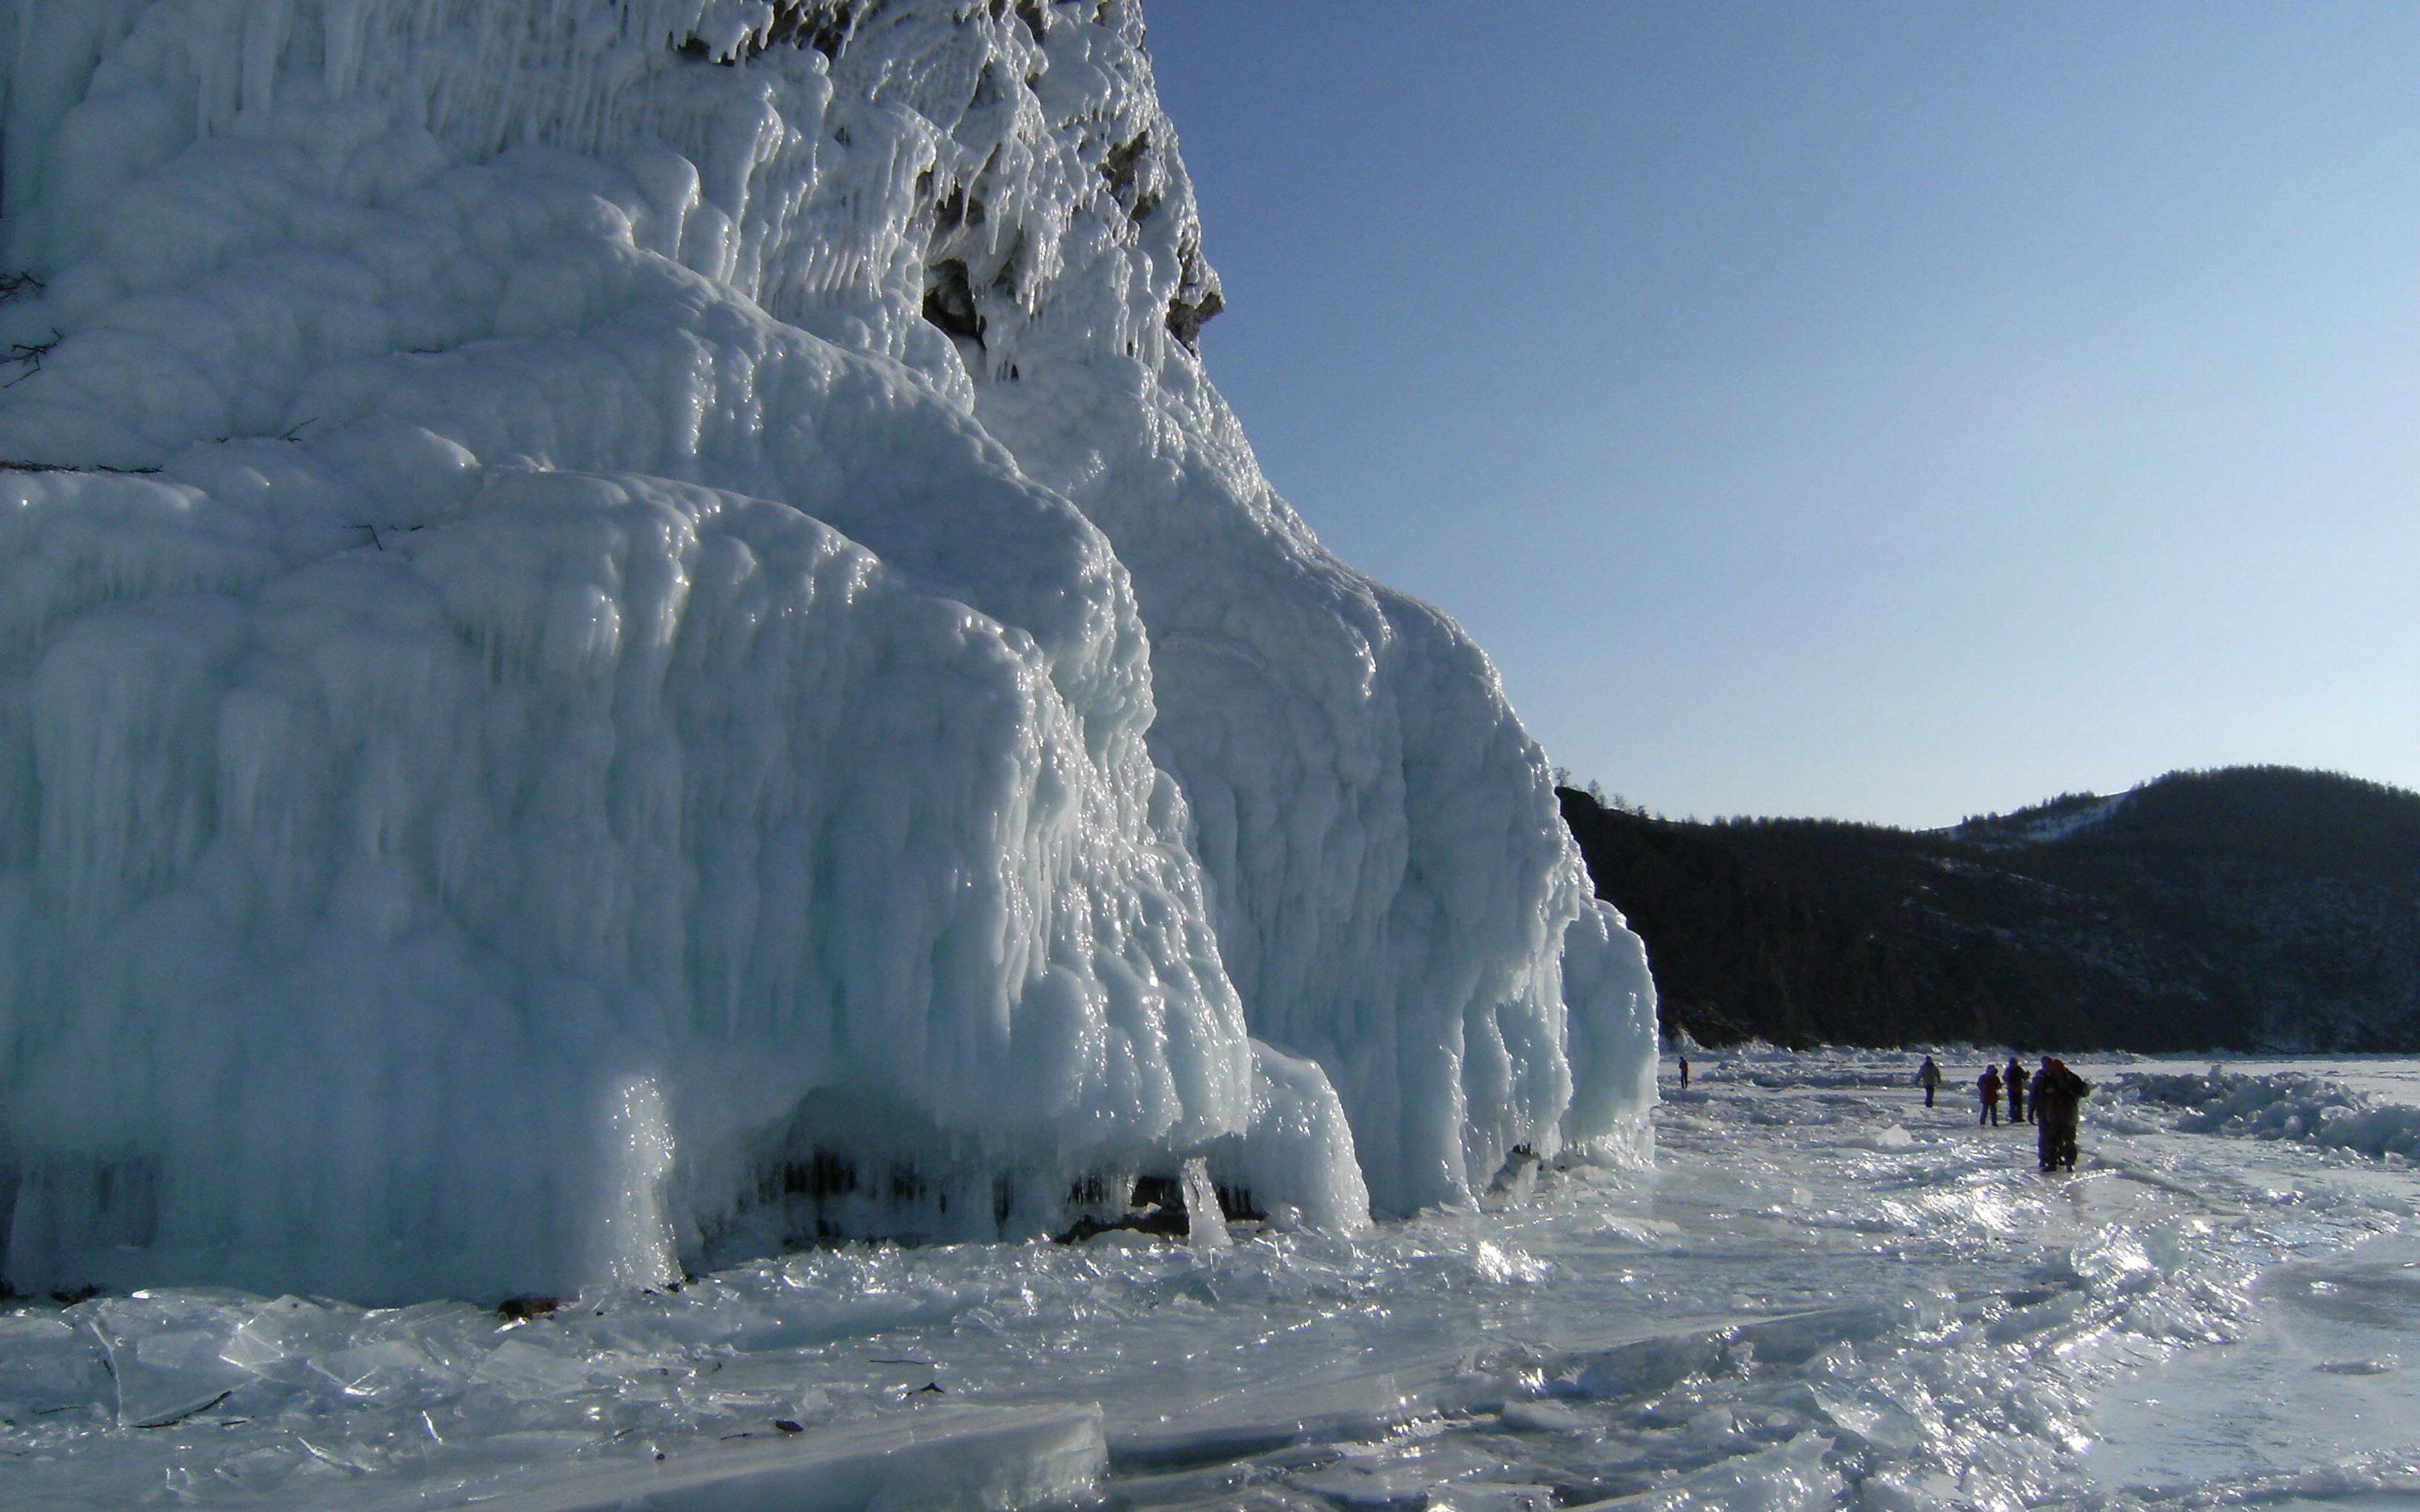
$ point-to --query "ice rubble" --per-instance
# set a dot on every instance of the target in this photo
(2298, 1105)
(628, 630)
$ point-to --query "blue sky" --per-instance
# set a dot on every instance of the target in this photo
(1890, 412)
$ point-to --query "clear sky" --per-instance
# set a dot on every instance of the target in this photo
(1890, 412)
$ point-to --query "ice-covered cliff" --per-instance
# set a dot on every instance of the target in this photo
(628, 630)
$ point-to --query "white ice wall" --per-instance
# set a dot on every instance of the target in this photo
(553, 725)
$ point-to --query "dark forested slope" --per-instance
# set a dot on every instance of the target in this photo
(2252, 907)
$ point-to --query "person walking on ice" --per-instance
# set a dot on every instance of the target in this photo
(1929, 1076)
(2015, 1077)
(1989, 1085)
(2058, 1103)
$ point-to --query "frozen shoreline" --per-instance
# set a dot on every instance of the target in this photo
(1820, 1297)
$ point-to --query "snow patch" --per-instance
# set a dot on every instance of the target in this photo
(2060, 819)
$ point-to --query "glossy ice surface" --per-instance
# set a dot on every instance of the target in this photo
(1821, 1295)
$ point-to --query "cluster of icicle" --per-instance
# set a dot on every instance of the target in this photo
(629, 634)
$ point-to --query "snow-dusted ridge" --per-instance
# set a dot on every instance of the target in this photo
(629, 631)
(2044, 824)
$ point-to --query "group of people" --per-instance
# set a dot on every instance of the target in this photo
(2053, 1109)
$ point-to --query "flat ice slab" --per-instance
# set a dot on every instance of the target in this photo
(990, 1459)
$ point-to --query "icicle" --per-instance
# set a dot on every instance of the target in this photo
(1204, 1223)
(215, 47)
(265, 25)
(637, 1235)
(345, 25)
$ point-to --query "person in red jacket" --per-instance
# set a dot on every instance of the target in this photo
(1989, 1085)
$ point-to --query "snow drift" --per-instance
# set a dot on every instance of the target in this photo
(629, 632)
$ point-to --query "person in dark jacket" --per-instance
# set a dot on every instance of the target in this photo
(2058, 1106)
(1929, 1076)
(2015, 1077)
(1989, 1085)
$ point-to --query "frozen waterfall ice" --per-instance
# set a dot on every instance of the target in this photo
(629, 632)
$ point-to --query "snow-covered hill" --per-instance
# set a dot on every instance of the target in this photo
(629, 631)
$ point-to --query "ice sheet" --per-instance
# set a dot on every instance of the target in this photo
(939, 1457)
(1823, 1294)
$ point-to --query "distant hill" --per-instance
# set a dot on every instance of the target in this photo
(2246, 908)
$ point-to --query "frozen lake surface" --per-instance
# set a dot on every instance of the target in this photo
(1822, 1295)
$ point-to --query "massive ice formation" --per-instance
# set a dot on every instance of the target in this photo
(629, 631)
